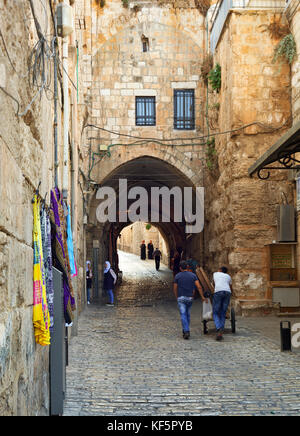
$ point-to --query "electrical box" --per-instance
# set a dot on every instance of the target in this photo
(286, 223)
(287, 297)
(64, 19)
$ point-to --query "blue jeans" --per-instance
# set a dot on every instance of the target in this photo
(221, 301)
(111, 296)
(88, 291)
(184, 305)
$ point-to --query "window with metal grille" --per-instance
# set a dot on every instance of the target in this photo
(145, 111)
(184, 109)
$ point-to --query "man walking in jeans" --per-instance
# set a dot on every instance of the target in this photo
(184, 286)
(221, 299)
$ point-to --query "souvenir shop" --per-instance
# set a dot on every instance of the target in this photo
(53, 295)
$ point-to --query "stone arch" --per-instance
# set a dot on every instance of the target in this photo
(145, 171)
(108, 22)
(179, 160)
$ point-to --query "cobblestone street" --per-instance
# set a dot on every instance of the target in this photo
(133, 361)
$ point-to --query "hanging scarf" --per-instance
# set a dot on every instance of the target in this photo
(73, 267)
(41, 317)
(47, 254)
(60, 251)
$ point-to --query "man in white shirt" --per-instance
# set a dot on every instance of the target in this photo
(221, 299)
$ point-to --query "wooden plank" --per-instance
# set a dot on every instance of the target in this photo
(203, 279)
(212, 289)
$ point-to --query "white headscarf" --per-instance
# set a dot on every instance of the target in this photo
(107, 268)
(87, 265)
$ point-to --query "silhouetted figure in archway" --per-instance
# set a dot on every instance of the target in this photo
(175, 263)
(143, 250)
(150, 250)
(157, 256)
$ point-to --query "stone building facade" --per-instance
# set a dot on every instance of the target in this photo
(148, 50)
(117, 55)
(27, 163)
(255, 93)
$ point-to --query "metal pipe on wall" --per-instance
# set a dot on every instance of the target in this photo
(66, 119)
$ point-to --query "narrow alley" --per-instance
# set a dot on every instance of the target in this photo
(141, 282)
(132, 360)
(139, 132)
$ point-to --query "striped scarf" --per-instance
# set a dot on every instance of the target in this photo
(41, 317)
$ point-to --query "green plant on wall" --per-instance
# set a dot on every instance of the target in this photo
(148, 226)
(210, 153)
(214, 78)
(285, 49)
(125, 3)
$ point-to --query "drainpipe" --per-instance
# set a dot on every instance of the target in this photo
(66, 119)
(55, 114)
(54, 50)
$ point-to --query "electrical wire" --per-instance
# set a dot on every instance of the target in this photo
(161, 141)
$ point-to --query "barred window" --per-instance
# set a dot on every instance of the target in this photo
(184, 109)
(145, 111)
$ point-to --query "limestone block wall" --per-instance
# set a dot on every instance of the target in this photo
(133, 235)
(121, 71)
(241, 216)
(293, 15)
(25, 160)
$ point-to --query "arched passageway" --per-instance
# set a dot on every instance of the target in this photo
(130, 193)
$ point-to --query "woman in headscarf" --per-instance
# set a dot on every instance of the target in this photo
(143, 250)
(109, 282)
(89, 276)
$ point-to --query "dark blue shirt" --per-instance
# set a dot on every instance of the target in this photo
(186, 283)
(108, 282)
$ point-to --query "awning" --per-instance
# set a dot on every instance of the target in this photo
(283, 152)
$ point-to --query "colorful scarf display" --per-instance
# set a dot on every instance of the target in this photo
(60, 254)
(47, 254)
(73, 267)
(41, 317)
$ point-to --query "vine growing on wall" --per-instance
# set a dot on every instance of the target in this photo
(210, 154)
(125, 3)
(101, 3)
(285, 49)
(214, 78)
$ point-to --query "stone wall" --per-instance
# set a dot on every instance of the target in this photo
(122, 71)
(27, 160)
(293, 16)
(132, 236)
(241, 216)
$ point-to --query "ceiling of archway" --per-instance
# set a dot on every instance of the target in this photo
(148, 172)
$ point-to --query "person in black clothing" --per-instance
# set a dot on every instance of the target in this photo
(150, 250)
(175, 263)
(143, 250)
(109, 282)
(89, 276)
(157, 256)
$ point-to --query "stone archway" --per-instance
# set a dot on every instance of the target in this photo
(145, 172)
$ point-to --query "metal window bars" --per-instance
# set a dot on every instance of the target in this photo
(145, 113)
(184, 109)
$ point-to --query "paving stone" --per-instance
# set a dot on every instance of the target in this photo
(144, 367)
